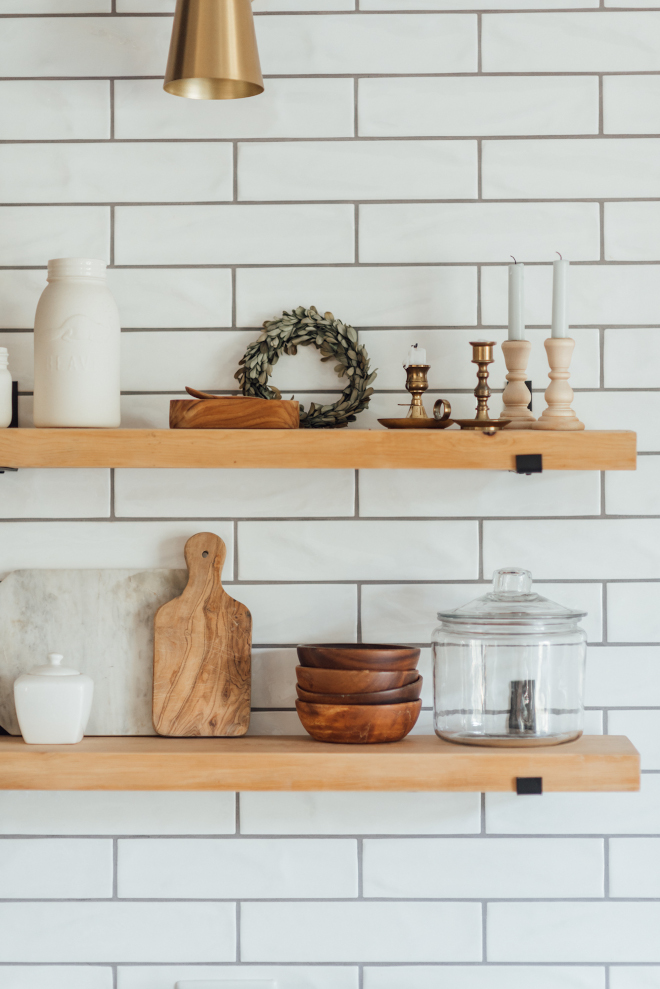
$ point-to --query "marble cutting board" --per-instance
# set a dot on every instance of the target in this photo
(103, 623)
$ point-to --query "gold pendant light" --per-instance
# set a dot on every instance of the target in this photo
(213, 51)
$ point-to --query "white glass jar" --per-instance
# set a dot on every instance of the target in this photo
(5, 389)
(53, 703)
(509, 668)
(76, 347)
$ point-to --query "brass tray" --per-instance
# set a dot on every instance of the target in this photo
(416, 423)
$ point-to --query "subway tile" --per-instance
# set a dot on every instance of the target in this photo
(275, 723)
(345, 44)
(33, 234)
(573, 932)
(172, 297)
(623, 676)
(424, 296)
(274, 678)
(634, 410)
(629, 357)
(448, 352)
(56, 977)
(287, 108)
(481, 493)
(78, 812)
(165, 361)
(572, 169)
(55, 868)
(54, 110)
(358, 170)
(597, 294)
(132, 932)
(290, 613)
(360, 813)
(234, 234)
(234, 493)
(630, 103)
(487, 977)
(576, 813)
(288, 977)
(643, 730)
(55, 6)
(167, 6)
(107, 172)
(57, 493)
(630, 231)
(555, 42)
(408, 612)
(465, 106)
(635, 492)
(635, 867)
(92, 545)
(461, 867)
(147, 411)
(632, 612)
(269, 493)
(264, 868)
(474, 4)
(84, 46)
(19, 292)
(414, 232)
(341, 932)
(358, 550)
(599, 548)
(637, 977)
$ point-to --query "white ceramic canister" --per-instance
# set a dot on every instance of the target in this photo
(53, 703)
(5, 389)
(76, 347)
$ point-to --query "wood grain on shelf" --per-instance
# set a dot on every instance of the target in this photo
(418, 763)
(315, 448)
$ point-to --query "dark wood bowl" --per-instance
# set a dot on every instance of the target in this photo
(357, 724)
(352, 681)
(410, 692)
(358, 656)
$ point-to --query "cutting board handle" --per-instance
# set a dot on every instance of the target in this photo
(205, 555)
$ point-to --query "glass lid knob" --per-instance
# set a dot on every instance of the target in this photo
(511, 580)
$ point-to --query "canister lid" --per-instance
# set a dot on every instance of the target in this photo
(511, 600)
(54, 668)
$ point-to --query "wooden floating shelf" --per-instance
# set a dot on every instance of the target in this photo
(418, 763)
(315, 448)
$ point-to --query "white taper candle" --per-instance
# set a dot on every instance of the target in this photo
(560, 298)
(516, 301)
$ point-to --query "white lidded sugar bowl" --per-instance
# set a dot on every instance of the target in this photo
(53, 703)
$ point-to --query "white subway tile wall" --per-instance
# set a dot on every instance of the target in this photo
(400, 154)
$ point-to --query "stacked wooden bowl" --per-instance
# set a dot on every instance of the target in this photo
(358, 693)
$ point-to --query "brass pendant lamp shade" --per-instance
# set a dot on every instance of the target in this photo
(213, 52)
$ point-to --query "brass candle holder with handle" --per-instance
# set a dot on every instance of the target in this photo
(482, 356)
(416, 417)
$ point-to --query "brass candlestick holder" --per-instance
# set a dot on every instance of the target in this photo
(482, 356)
(417, 383)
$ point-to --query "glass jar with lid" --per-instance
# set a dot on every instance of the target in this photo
(509, 668)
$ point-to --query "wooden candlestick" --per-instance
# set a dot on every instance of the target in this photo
(516, 395)
(559, 394)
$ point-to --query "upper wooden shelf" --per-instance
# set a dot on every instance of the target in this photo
(419, 762)
(316, 448)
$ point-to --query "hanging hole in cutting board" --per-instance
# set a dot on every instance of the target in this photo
(205, 554)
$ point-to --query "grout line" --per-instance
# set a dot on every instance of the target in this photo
(114, 976)
(479, 42)
(238, 813)
(112, 109)
(481, 549)
(112, 493)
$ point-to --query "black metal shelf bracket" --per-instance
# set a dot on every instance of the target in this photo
(13, 469)
(529, 463)
(529, 785)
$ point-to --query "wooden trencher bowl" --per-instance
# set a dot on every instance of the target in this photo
(202, 652)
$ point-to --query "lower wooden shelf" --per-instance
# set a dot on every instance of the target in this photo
(315, 448)
(420, 762)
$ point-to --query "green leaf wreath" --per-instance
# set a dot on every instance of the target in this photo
(336, 340)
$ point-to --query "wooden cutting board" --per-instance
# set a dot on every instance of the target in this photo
(202, 652)
(103, 623)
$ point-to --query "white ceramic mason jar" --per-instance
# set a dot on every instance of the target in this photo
(76, 347)
(509, 668)
(53, 703)
(5, 389)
